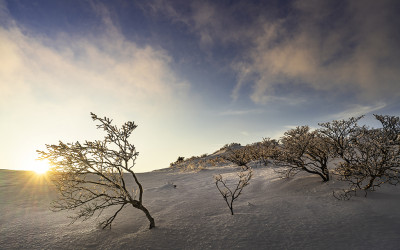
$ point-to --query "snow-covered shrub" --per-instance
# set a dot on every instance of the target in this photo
(263, 152)
(340, 134)
(303, 150)
(232, 145)
(90, 177)
(240, 156)
(390, 128)
(180, 159)
(372, 157)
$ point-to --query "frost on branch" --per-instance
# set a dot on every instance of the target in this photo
(340, 133)
(302, 150)
(91, 176)
(390, 128)
(240, 156)
(263, 152)
(372, 157)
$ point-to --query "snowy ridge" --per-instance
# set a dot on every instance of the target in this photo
(196, 163)
(272, 213)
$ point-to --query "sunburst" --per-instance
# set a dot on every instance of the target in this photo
(40, 167)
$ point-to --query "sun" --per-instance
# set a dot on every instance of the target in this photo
(40, 167)
(40, 170)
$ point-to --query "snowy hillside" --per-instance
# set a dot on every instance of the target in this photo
(216, 159)
(272, 213)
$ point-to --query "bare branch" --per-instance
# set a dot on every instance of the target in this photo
(231, 195)
(303, 150)
(91, 176)
(370, 156)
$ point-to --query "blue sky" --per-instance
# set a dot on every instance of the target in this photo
(194, 75)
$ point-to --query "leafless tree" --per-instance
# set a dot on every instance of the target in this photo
(230, 195)
(372, 158)
(91, 177)
(340, 133)
(240, 157)
(302, 150)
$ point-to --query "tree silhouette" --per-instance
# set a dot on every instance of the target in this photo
(92, 176)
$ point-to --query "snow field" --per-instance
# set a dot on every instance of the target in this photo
(271, 213)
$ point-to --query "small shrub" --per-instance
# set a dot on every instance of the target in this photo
(230, 195)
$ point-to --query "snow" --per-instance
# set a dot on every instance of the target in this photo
(272, 213)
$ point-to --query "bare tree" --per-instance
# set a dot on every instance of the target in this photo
(373, 157)
(90, 177)
(340, 132)
(231, 195)
(240, 157)
(303, 150)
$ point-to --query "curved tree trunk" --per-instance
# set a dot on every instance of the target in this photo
(324, 174)
(147, 213)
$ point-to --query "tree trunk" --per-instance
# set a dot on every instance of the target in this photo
(370, 183)
(151, 219)
(324, 176)
(231, 208)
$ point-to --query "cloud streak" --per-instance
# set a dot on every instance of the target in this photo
(347, 47)
(48, 86)
(94, 66)
(357, 110)
(212, 22)
(241, 112)
(352, 54)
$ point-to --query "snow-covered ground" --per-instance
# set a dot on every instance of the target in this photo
(272, 213)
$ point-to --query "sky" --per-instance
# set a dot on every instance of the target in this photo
(193, 75)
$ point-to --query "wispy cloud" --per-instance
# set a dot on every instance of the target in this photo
(356, 110)
(97, 67)
(355, 54)
(348, 47)
(211, 21)
(241, 112)
(245, 133)
(48, 86)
